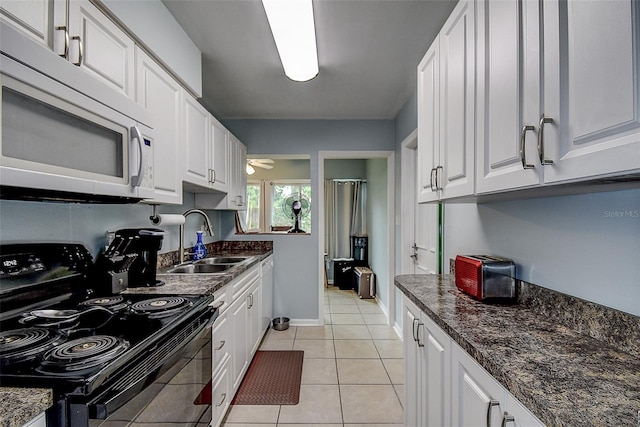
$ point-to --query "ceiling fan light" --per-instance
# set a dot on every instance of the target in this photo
(293, 30)
(250, 170)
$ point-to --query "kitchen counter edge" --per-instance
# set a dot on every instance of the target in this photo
(562, 376)
(21, 405)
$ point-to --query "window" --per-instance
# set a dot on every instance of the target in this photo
(283, 194)
(254, 197)
(269, 205)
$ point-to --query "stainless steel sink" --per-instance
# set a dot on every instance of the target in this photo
(222, 260)
(213, 265)
(200, 269)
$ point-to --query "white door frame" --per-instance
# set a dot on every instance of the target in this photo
(408, 192)
(390, 156)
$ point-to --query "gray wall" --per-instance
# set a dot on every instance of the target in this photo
(345, 169)
(578, 245)
(377, 226)
(296, 257)
(584, 245)
(87, 223)
(284, 168)
(406, 122)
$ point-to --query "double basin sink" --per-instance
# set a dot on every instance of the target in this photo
(213, 265)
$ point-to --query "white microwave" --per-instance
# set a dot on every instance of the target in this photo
(55, 138)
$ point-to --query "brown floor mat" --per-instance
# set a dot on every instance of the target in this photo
(273, 378)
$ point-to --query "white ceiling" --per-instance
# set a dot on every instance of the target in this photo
(368, 51)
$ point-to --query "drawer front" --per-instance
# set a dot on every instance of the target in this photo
(220, 341)
(245, 280)
(220, 395)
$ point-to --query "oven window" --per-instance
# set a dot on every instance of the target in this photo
(38, 132)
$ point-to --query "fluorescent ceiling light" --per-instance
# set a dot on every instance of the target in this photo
(294, 32)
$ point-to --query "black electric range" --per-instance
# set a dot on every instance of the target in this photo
(95, 351)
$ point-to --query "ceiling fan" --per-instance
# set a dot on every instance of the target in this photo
(259, 163)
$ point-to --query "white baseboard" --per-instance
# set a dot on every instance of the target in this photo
(305, 322)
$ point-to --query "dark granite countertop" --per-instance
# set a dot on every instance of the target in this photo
(18, 406)
(202, 284)
(563, 376)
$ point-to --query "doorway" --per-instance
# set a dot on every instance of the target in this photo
(420, 241)
(381, 256)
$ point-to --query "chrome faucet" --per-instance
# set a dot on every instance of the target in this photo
(207, 222)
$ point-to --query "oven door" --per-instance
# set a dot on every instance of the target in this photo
(134, 387)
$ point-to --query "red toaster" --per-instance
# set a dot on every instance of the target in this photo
(486, 277)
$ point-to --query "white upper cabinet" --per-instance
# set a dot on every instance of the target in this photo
(238, 188)
(32, 17)
(196, 138)
(508, 103)
(219, 156)
(457, 102)
(446, 110)
(564, 113)
(428, 120)
(160, 94)
(591, 101)
(100, 47)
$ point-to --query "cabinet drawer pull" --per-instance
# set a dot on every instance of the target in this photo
(523, 155)
(65, 52)
(420, 343)
(222, 342)
(224, 396)
(433, 171)
(543, 120)
(439, 177)
(507, 418)
(490, 406)
(80, 50)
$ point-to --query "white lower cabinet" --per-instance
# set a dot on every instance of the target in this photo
(445, 386)
(427, 356)
(220, 393)
(38, 421)
(236, 336)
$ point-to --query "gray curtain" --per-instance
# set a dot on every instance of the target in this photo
(344, 215)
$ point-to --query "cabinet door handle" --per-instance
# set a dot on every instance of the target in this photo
(490, 406)
(213, 176)
(433, 170)
(415, 336)
(420, 343)
(543, 121)
(438, 177)
(219, 347)
(224, 396)
(65, 52)
(80, 50)
(523, 155)
(507, 418)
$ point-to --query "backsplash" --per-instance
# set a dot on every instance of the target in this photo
(614, 327)
(220, 247)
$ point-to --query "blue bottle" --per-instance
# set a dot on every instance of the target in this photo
(199, 250)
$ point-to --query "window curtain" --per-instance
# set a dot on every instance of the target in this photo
(344, 215)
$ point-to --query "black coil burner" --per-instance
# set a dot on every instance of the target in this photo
(82, 353)
(113, 303)
(20, 345)
(156, 308)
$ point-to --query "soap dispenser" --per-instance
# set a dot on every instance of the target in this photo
(199, 250)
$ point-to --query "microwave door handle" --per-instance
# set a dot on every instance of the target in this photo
(136, 180)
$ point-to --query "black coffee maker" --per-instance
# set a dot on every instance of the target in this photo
(131, 258)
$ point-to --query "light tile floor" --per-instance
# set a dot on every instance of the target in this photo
(352, 373)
